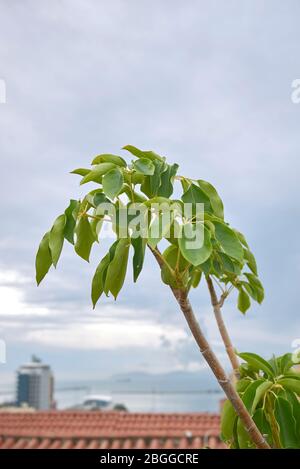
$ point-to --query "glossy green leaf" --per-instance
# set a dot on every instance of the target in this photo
(290, 383)
(111, 253)
(139, 246)
(166, 182)
(56, 238)
(152, 183)
(215, 200)
(144, 166)
(287, 423)
(195, 252)
(228, 241)
(108, 158)
(243, 301)
(117, 268)
(250, 393)
(260, 393)
(228, 417)
(85, 238)
(242, 238)
(262, 423)
(174, 259)
(151, 155)
(257, 363)
(112, 183)
(98, 279)
(81, 171)
(256, 285)
(43, 259)
(96, 174)
(196, 278)
(250, 259)
(285, 362)
(229, 265)
(70, 220)
(243, 437)
(196, 195)
(242, 384)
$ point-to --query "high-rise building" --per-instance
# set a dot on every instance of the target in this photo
(35, 385)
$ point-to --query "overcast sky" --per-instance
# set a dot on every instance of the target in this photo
(206, 83)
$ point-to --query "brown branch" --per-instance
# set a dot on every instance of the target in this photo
(215, 365)
(217, 305)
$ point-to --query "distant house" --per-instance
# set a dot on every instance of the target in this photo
(35, 385)
(108, 430)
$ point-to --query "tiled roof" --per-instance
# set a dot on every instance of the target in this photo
(108, 430)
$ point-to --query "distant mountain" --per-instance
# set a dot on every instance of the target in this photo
(175, 381)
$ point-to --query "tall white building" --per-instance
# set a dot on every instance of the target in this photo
(35, 385)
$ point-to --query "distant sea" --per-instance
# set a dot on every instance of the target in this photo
(139, 392)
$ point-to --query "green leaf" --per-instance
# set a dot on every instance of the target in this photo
(241, 238)
(111, 253)
(151, 184)
(97, 282)
(243, 301)
(70, 221)
(259, 418)
(257, 286)
(56, 238)
(215, 200)
(228, 417)
(144, 166)
(85, 238)
(139, 245)
(250, 393)
(242, 384)
(206, 267)
(260, 393)
(142, 154)
(108, 158)
(228, 264)
(81, 171)
(195, 195)
(287, 423)
(257, 363)
(43, 259)
(97, 173)
(285, 362)
(291, 384)
(167, 178)
(171, 257)
(243, 436)
(251, 262)
(112, 183)
(229, 241)
(196, 278)
(116, 271)
(197, 253)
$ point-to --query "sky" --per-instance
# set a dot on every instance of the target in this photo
(207, 84)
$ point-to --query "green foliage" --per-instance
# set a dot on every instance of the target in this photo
(43, 259)
(112, 183)
(270, 391)
(146, 180)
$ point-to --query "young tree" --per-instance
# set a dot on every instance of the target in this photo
(136, 199)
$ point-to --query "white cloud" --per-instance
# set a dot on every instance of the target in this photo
(13, 304)
(107, 335)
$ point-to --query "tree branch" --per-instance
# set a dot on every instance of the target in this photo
(217, 304)
(215, 365)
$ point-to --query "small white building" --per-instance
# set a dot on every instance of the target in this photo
(35, 385)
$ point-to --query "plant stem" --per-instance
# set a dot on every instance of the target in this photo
(215, 365)
(217, 304)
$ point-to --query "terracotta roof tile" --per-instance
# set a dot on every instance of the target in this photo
(80, 429)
